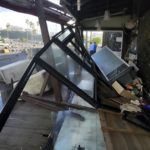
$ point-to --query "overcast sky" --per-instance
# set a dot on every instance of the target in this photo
(14, 18)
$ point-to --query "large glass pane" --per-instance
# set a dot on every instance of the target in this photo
(74, 50)
(77, 50)
(69, 68)
(84, 130)
(64, 35)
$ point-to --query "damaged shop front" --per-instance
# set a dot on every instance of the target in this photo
(98, 100)
(99, 86)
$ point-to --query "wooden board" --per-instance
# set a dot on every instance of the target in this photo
(28, 124)
(121, 135)
(26, 127)
(115, 102)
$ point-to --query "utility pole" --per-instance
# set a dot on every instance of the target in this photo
(46, 38)
(86, 40)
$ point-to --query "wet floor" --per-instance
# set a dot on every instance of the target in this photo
(1, 103)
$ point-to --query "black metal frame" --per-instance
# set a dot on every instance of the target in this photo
(65, 81)
(74, 56)
(38, 61)
(15, 95)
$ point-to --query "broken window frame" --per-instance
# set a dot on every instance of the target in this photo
(38, 61)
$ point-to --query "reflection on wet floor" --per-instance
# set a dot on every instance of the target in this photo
(3, 97)
(1, 102)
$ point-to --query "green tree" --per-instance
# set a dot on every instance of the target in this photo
(37, 23)
(27, 22)
(24, 40)
(32, 26)
(8, 28)
(98, 40)
(35, 31)
(3, 40)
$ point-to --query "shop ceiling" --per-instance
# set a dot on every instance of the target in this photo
(88, 12)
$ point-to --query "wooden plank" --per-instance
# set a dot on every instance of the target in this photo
(120, 100)
(43, 104)
(117, 138)
(124, 131)
(26, 126)
(32, 98)
(133, 138)
(110, 112)
(56, 88)
(30, 116)
(44, 84)
(45, 35)
(119, 134)
(108, 142)
(144, 142)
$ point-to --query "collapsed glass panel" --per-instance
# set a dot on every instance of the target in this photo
(82, 54)
(74, 42)
(74, 50)
(79, 128)
(35, 82)
(70, 69)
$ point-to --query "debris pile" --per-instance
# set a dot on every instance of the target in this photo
(123, 79)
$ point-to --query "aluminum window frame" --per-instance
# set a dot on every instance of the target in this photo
(8, 107)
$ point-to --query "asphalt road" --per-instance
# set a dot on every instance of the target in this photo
(10, 58)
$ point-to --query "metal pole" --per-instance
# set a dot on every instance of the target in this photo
(86, 40)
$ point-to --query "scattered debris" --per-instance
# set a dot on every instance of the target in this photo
(138, 83)
(130, 108)
(125, 83)
(136, 102)
(130, 87)
(122, 92)
(52, 105)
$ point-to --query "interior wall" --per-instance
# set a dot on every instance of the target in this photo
(113, 22)
(144, 49)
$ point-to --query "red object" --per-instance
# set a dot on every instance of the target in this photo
(129, 87)
(143, 104)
